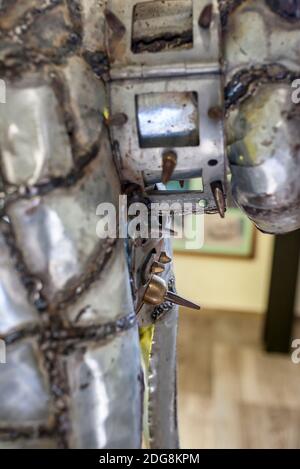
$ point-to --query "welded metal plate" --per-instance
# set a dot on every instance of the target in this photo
(15, 309)
(201, 55)
(106, 395)
(25, 397)
(144, 165)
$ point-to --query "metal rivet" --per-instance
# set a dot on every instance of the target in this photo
(117, 120)
(215, 113)
(219, 196)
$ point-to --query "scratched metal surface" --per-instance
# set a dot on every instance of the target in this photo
(261, 51)
(73, 374)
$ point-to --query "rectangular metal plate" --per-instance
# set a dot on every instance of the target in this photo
(202, 56)
(144, 165)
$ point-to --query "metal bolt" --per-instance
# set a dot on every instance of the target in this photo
(117, 120)
(219, 196)
(215, 113)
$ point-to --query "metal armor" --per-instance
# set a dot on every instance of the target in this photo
(121, 97)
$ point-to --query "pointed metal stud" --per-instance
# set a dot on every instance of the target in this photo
(178, 300)
(114, 23)
(157, 268)
(168, 166)
(164, 258)
(157, 293)
(219, 196)
(206, 16)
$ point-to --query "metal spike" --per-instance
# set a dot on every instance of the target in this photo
(157, 293)
(168, 166)
(114, 23)
(219, 196)
(206, 16)
(178, 300)
(164, 258)
(157, 268)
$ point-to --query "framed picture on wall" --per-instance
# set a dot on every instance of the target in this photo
(233, 236)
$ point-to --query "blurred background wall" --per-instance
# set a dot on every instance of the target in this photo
(231, 284)
(232, 393)
(298, 297)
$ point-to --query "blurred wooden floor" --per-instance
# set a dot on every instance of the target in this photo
(231, 393)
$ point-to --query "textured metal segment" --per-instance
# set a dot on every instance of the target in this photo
(53, 142)
(29, 443)
(15, 310)
(160, 376)
(47, 152)
(163, 429)
(263, 123)
(106, 399)
(257, 35)
(265, 158)
(57, 232)
(87, 100)
(108, 298)
(92, 13)
(24, 390)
